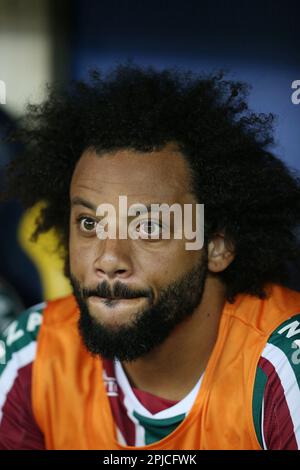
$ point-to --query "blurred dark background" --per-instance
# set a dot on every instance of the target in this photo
(48, 40)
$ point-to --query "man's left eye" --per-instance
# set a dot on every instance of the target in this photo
(149, 228)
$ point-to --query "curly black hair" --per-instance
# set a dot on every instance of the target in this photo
(249, 194)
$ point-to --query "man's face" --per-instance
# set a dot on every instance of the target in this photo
(131, 292)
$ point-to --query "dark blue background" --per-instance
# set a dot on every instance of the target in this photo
(257, 42)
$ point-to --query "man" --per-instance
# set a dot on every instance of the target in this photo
(160, 347)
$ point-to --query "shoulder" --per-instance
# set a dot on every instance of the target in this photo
(276, 399)
(17, 343)
(18, 429)
(283, 346)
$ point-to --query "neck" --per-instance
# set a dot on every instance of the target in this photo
(172, 369)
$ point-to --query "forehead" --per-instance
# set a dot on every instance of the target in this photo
(162, 175)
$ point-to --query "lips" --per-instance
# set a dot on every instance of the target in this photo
(109, 301)
(102, 306)
(113, 298)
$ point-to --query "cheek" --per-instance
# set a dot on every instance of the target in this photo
(179, 256)
(81, 255)
(171, 262)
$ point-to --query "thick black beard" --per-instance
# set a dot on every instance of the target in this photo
(150, 327)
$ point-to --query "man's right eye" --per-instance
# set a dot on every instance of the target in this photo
(87, 224)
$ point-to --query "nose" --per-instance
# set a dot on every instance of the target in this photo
(113, 259)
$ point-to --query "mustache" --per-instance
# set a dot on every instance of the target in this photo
(117, 291)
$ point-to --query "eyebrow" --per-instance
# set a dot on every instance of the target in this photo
(140, 208)
(79, 201)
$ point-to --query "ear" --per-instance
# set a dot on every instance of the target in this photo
(220, 254)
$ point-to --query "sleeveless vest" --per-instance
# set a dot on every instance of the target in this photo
(73, 411)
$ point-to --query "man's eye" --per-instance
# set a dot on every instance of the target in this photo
(87, 224)
(149, 229)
